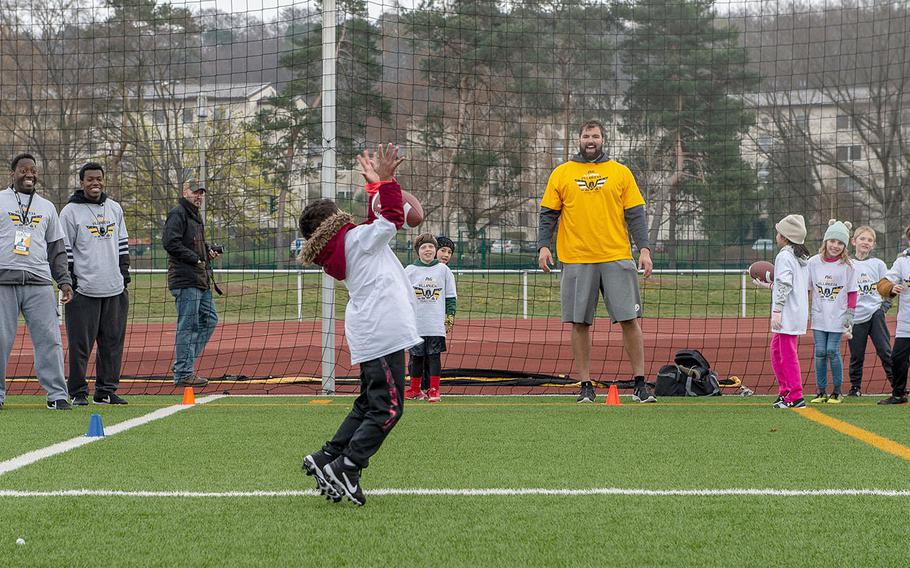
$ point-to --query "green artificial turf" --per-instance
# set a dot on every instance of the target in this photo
(248, 444)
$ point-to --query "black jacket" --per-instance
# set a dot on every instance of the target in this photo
(184, 241)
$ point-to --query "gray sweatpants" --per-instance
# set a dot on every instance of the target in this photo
(39, 307)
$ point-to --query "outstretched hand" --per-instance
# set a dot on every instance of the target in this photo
(380, 165)
(761, 283)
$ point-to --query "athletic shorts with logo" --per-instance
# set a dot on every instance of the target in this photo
(617, 281)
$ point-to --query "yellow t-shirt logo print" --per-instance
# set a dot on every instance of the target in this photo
(591, 181)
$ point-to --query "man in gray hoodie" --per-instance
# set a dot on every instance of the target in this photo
(97, 248)
(31, 253)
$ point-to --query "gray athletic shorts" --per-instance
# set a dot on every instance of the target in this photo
(617, 281)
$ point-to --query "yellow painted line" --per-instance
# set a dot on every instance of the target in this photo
(320, 401)
(865, 436)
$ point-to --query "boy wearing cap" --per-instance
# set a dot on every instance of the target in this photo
(435, 295)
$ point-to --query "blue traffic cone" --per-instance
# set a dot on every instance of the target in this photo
(95, 428)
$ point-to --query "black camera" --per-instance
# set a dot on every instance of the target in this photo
(219, 249)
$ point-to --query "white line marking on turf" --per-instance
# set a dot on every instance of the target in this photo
(475, 493)
(36, 455)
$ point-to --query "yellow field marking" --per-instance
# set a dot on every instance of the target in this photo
(865, 436)
(320, 401)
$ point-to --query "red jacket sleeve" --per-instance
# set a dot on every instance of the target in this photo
(391, 203)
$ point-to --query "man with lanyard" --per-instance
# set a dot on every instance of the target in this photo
(597, 204)
(97, 247)
(31, 253)
(188, 277)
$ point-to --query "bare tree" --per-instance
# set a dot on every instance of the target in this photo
(46, 105)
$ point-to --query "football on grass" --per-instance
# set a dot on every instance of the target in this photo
(413, 211)
(762, 270)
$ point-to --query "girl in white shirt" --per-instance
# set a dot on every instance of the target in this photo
(832, 281)
(789, 309)
(869, 320)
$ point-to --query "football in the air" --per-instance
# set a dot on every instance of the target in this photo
(762, 270)
(413, 211)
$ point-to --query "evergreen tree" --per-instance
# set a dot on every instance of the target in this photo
(688, 78)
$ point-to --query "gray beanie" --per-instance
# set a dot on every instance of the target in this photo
(793, 228)
(838, 231)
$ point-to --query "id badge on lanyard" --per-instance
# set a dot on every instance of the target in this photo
(23, 242)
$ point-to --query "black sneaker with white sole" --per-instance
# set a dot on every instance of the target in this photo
(80, 400)
(312, 465)
(108, 399)
(346, 480)
(587, 393)
(60, 404)
(643, 394)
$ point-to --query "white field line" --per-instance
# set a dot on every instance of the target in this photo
(494, 492)
(36, 455)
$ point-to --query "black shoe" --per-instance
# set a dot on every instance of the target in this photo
(107, 399)
(643, 394)
(587, 393)
(80, 400)
(346, 480)
(60, 404)
(1, 406)
(778, 402)
(313, 465)
(894, 400)
(854, 391)
(798, 403)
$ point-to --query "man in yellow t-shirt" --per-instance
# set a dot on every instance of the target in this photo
(597, 204)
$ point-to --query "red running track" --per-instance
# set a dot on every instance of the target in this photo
(734, 346)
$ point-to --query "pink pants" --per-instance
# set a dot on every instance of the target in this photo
(785, 363)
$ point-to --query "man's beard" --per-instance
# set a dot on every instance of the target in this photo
(597, 151)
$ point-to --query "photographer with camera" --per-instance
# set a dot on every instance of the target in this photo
(189, 278)
(97, 251)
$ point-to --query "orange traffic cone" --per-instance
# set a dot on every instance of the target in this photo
(613, 396)
(189, 397)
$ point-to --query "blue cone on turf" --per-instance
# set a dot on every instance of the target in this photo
(95, 428)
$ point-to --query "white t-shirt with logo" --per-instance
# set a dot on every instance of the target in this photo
(900, 274)
(789, 270)
(432, 285)
(830, 282)
(379, 318)
(868, 300)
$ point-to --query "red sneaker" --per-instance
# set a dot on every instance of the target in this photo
(412, 394)
(433, 395)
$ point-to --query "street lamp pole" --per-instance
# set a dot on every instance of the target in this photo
(201, 113)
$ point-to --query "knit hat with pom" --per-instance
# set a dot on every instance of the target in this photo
(838, 231)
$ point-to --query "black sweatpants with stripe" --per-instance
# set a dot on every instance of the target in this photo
(375, 412)
(96, 320)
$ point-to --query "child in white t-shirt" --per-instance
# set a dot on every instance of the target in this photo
(379, 322)
(789, 309)
(896, 283)
(832, 281)
(869, 320)
(435, 296)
